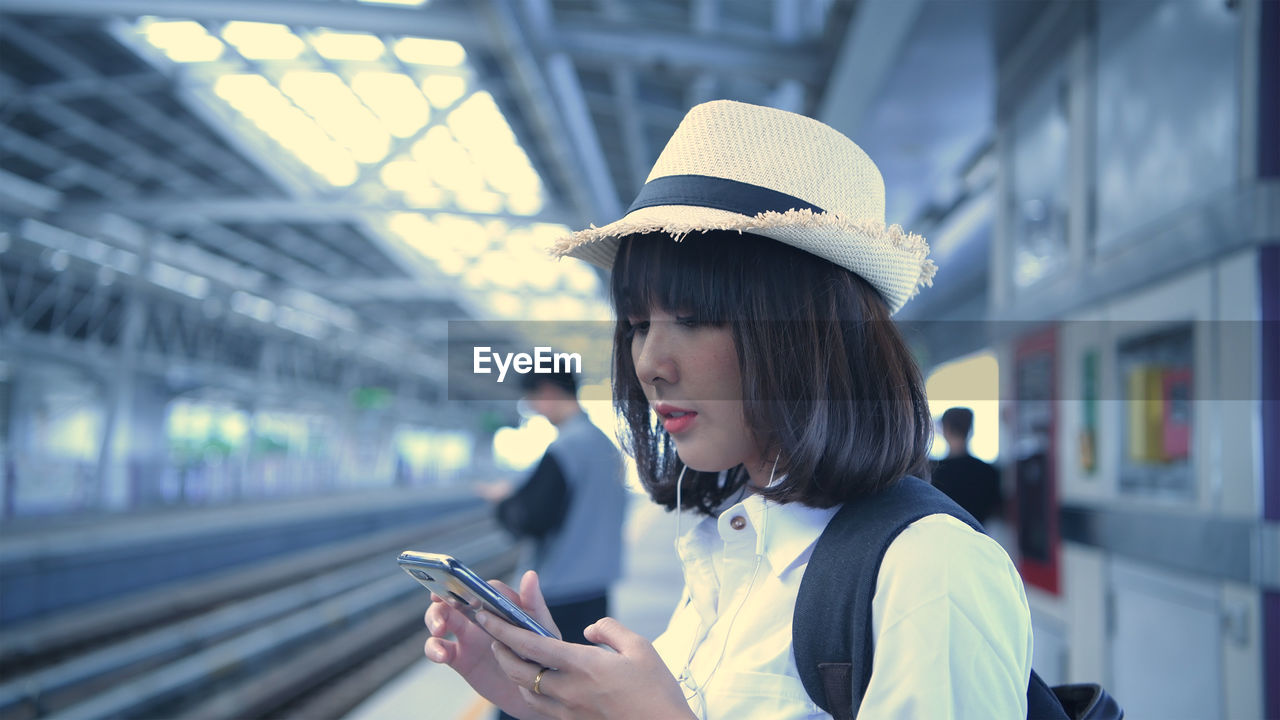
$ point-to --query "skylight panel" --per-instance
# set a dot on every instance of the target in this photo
(426, 51)
(328, 99)
(479, 201)
(450, 164)
(505, 303)
(424, 196)
(263, 41)
(347, 46)
(429, 238)
(477, 121)
(580, 278)
(405, 175)
(183, 40)
(444, 90)
(524, 204)
(464, 236)
(264, 105)
(395, 99)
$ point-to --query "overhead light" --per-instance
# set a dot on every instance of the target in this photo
(263, 41)
(408, 3)
(427, 51)
(347, 46)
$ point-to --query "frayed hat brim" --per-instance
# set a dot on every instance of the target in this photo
(892, 260)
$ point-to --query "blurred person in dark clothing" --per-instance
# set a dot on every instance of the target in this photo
(572, 507)
(972, 483)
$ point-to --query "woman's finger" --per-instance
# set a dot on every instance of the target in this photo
(608, 631)
(521, 671)
(532, 600)
(506, 591)
(534, 648)
(442, 620)
(440, 651)
(544, 704)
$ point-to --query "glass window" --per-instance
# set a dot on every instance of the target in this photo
(1040, 183)
(1167, 110)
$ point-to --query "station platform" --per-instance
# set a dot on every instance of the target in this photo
(642, 600)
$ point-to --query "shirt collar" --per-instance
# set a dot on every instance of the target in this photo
(784, 533)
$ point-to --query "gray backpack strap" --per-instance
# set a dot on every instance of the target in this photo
(831, 627)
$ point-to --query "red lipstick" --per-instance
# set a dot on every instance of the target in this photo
(675, 419)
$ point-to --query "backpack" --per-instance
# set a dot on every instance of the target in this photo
(831, 628)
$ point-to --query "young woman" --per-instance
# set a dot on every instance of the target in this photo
(764, 384)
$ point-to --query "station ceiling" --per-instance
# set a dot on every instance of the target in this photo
(355, 174)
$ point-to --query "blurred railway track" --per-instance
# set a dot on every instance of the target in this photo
(308, 635)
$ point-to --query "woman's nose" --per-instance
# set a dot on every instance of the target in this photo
(654, 359)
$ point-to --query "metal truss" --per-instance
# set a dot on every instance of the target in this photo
(56, 305)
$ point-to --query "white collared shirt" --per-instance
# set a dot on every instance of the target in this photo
(949, 617)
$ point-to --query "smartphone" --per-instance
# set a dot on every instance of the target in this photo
(457, 585)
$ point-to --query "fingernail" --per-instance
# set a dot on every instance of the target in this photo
(494, 646)
(435, 654)
(482, 617)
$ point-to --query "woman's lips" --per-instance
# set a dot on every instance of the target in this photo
(678, 423)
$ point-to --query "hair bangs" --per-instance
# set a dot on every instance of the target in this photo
(686, 276)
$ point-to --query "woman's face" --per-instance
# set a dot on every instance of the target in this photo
(690, 375)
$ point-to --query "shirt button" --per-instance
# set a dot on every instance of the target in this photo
(737, 522)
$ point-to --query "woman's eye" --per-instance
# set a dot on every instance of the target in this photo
(638, 326)
(688, 320)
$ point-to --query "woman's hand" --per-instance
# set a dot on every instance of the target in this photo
(470, 653)
(588, 682)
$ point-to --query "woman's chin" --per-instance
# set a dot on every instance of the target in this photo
(700, 462)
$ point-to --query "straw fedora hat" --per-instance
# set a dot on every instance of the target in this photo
(753, 169)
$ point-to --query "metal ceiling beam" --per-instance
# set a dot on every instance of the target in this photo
(635, 146)
(18, 194)
(595, 42)
(787, 21)
(533, 92)
(444, 23)
(180, 212)
(389, 345)
(389, 290)
(702, 19)
(600, 43)
(624, 85)
(123, 98)
(562, 77)
(64, 170)
(874, 41)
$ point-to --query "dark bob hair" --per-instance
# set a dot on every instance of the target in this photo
(829, 385)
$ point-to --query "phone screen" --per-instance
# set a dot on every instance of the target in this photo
(457, 585)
